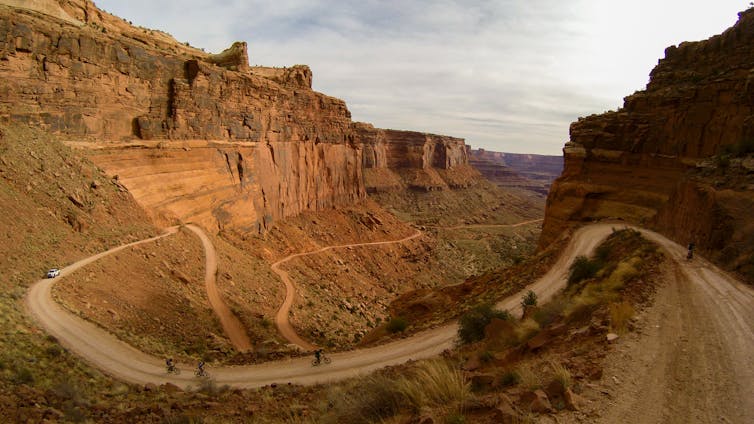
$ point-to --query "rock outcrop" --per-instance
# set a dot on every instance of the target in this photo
(395, 160)
(534, 173)
(199, 137)
(645, 163)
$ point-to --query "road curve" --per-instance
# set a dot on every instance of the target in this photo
(282, 322)
(230, 323)
(458, 227)
(117, 358)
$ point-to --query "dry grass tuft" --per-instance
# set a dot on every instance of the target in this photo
(435, 383)
(561, 373)
(620, 314)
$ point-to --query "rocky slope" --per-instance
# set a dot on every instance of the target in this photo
(674, 157)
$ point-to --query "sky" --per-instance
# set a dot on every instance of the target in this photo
(506, 75)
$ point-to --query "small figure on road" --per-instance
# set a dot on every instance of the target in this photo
(318, 356)
(690, 254)
(170, 365)
(200, 369)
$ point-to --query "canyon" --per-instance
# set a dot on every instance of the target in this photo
(197, 137)
(673, 158)
(529, 173)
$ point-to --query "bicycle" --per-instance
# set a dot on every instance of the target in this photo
(201, 373)
(322, 360)
(172, 369)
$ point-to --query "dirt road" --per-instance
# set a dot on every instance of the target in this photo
(281, 317)
(230, 323)
(728, 303)
(693, 361)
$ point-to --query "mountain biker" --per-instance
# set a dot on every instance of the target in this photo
(690, 254)
(169, 363)
(318, 356)
(200, 368)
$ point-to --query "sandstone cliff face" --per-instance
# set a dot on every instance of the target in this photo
(641, 162)
(200, 137)
(395, 160)
(277, 147)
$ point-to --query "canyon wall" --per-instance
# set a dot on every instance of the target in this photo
(396, 160)
(199, 137)
(674, 158)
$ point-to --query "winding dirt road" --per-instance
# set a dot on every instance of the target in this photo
(281, 317)
(230, 323)
(729, 305)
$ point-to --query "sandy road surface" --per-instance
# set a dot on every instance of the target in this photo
(281, 317)
(726, 299)
(231, 324)
(693, 361)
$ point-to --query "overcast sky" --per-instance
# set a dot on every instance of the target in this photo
(506, 75)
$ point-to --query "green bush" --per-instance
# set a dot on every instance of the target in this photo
(472, 323)
(581, 269)
(397, 325)
(529, 299)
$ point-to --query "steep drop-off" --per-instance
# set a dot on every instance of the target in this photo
(667, 157)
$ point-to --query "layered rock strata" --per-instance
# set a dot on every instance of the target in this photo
(534, 173)
(396, 160)
(645, 162)
(200, 137)
(237, 146)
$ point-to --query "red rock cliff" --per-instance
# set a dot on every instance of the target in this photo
(200, 137)
(395, 159)
(240, 146)
(649, 162)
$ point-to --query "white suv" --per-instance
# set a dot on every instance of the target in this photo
(54, 272)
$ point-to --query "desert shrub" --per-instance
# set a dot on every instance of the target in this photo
(486, 356)
(620, 315)
(561, 374)
(434, 383)
(549, 312)
(397, 325)
(581, 269)
(23, 376)
(527, 329)
(510, 378)
(375, 399)
(472, 323)
(529, 299)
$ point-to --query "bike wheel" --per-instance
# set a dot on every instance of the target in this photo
(315, 363)
(326, 360)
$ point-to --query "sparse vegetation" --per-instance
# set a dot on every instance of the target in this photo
(529, 299)
(582, 268)
(620, 314)
(397, 325)
(472, 324)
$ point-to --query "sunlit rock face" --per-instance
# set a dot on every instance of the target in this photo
(199, 137)
(652, 162)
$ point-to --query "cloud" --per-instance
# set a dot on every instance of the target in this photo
(507, 75)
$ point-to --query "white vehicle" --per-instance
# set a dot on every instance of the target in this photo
(54, 272)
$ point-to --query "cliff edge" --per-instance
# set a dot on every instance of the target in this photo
(676, 157)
